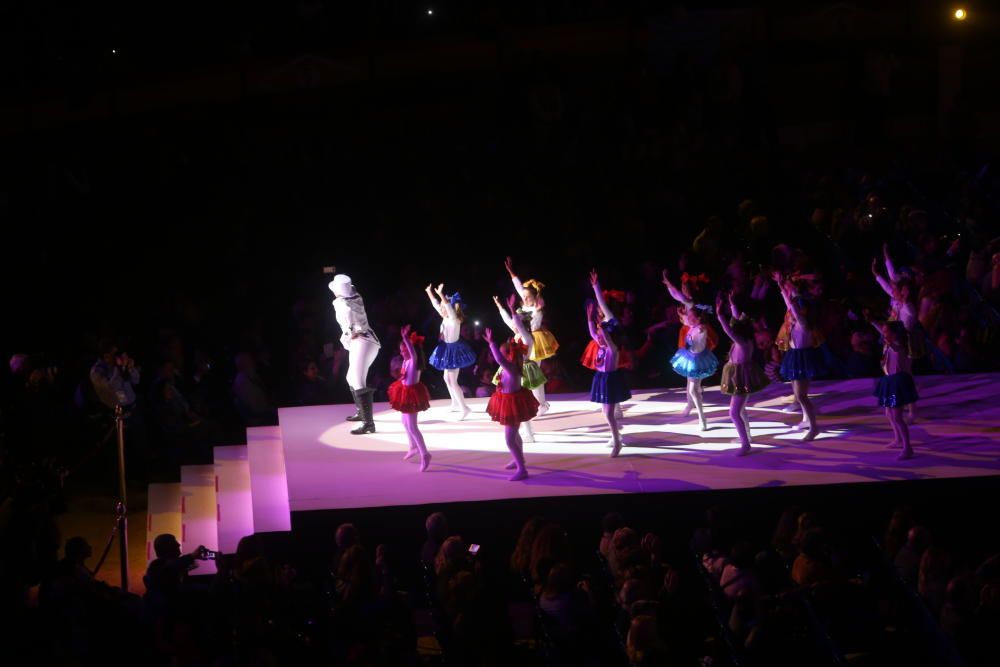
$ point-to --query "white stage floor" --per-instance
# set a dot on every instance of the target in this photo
(955, 435)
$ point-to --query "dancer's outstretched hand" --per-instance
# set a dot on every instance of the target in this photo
(593, 278)
(429, 288)
(440, 289)
(488, 334)
(512, 302)
(496, 300)
(666, 277)
(591, 307)
(509, 265)
(718, 303)
(405, 330)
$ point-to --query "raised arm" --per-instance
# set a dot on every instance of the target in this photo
(890, 269)
(599, 296)
(445, 301)
(509, 265)
(723, 320)
(504, 315)
(786, 294)
(733, 308)
(590, 322)
(430, 295)
(407, 343)
(498, 357)
(882, 282)
(517, 324)
(677, 295)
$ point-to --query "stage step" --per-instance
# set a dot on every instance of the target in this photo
(233, 495)
(268, 482)
(199, 511)
(163, 514)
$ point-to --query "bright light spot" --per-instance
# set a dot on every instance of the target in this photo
(476, 323)
(430, 12)
(960, 14)
(114, 51)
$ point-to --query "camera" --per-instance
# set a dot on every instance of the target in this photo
(473, 549)
(208, 554)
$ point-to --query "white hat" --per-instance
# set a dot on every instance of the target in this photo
(341, 285)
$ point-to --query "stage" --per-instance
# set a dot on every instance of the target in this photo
(326, 467)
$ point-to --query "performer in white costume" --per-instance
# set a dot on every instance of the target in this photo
(362, 346)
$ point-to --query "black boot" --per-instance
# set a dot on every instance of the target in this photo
(356, 417)
(366, 400)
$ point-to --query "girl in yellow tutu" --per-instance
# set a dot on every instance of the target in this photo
(545, 344)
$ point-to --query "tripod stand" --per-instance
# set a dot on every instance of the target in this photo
(120, 527)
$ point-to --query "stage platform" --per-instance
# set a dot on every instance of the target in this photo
(956, 435)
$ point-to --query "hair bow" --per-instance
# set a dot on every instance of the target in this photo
(610, 325)
(456, 298)
(694, 278)
(416, 338)
(614, 295)
(535, 285)
(704, 307)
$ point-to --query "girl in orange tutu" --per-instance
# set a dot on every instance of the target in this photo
(511, 403)
(408, 395)
(545, 344)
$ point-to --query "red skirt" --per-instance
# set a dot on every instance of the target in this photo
(589, 357)
(409, 398)
(512, 409)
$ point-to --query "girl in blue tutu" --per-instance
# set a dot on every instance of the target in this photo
(452, 353)
(803, 361)
(895, 390)
(694, 359)
(609, 387)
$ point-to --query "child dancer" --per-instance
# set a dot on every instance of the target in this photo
(408, 395)
(511, 404)
(545, 344)
(614, 298)
(609, 387)
(532, 376)
(741, 376)
(695, 360)
(903, 309)
(452, 353)
(803, 361)
(895, 390)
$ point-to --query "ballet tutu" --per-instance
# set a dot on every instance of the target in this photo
(609, 388)
(803, 363)
(545, 345)
(626, 358)
(409, 398)
(512, 409)
(694, 366)
(896, 390)
(447, 356)
(741, 379)
(532, 376)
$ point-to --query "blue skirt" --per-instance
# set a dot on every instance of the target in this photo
(694, 366)
(803, 364)
(609, 388)
(447, 356)
(896, 390)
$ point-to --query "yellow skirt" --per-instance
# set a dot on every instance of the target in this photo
(545, 345)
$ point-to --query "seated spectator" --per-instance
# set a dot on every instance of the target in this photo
(436, 527)
(907, 561)
(250, 395)
(311, 388)
(114, 376)
(812, 567)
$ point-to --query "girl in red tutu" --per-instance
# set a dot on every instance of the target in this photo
(511, 403)
(532, 376)
(408, 395)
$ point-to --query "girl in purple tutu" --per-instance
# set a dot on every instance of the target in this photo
(694, 359)
(452, 353)
(803, 361)
(409, 396)
(895, 390)
(741, 376)
(609, 387)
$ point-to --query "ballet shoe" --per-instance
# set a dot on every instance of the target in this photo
(527, 439)
(510, 466)
(425, 461)
(464, 413)
(894, 444)
(791, 407)
(905, 455)
(801, 426)
(542, 408)
(686, 412)
(704, 424)
(410, 454)
(811, 434)
(744, 451)
(522, 473)
(616, 450)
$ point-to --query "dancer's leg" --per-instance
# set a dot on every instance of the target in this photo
(417, 439)
(746, 419)
(694, 389)
(455, 391)
(527, 432)
(516, 449)
(359, 360)
(897, 440)
(904, 434)
(801, 390)
(616, 436)
(686, 412)
(543, 405)
(737, 404)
